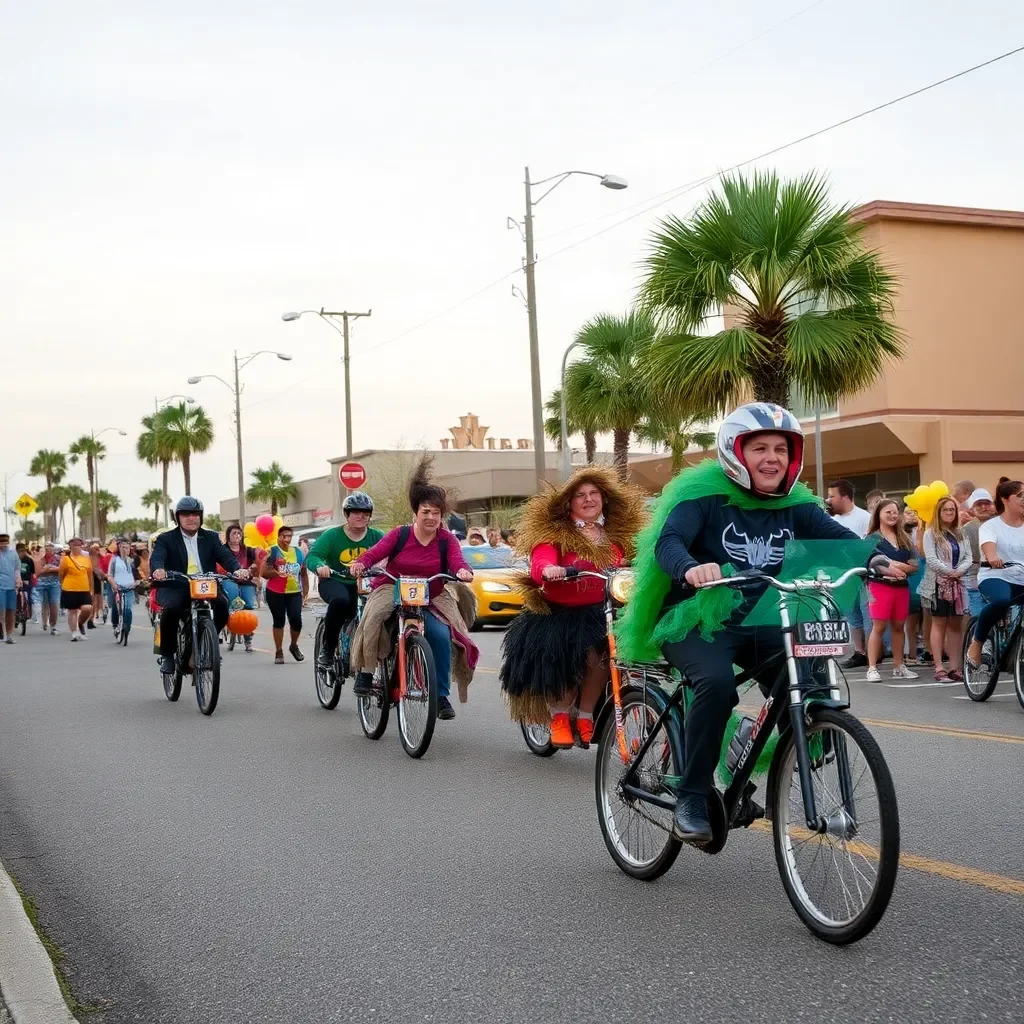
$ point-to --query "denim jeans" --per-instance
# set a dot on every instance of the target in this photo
(128, 601)
(246, 591)
(998, 594)
(439, 636)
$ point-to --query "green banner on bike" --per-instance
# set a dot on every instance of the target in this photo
(805, 560)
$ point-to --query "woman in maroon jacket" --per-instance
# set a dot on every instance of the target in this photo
(424, 549)
(556, 651)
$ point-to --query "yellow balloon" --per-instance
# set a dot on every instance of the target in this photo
(918, 500)
(278, 522)
(272, 539)
(937, 489)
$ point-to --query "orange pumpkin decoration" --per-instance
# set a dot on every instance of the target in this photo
(243, 622)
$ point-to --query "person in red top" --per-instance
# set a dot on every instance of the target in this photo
(555, 653)
(422, 555)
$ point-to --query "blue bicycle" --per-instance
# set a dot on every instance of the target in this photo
(329, 681)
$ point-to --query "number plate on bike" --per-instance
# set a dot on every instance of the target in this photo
(203, 589)
(415, 592)
(825, 639)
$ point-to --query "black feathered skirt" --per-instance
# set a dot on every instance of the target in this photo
(545, 656)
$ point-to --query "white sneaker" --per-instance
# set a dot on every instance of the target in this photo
(54, 631)
(903, 673)
(873, 676)
(75, 638)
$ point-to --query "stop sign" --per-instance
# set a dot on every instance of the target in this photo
(352, 475)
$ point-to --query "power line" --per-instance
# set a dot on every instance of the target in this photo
(697, 182)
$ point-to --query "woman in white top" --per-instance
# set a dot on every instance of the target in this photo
(121, 574)
(1002, 540)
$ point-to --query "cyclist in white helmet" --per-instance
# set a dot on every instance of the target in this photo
(741, 511)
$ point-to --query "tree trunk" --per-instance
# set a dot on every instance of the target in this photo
(186, 469)
(590, 444)
(166, 466)
(94, 518)
(770, 378)
(620, 448)
(273, 506)
(678, 446)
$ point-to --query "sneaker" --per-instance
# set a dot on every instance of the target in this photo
(874, 676)
(585, 728)
(10, 640)
(248, 645)
(445, 711)
(91, 625)
(363, 686)
(83, 636)
(855, 660)
(74, 638)
(561, 731)
(279, 658)
(296, 653)
(54, 631)
(902, 672)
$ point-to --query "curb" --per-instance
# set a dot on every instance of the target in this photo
(30, 990)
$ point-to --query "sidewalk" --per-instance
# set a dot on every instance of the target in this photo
(29, 993)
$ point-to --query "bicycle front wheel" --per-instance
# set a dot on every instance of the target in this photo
(981, 681)
(841, 877)
(328, 685)
(207, 667)
(638, 834)
(417, 709)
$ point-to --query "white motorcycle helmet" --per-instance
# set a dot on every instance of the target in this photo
(759, 418)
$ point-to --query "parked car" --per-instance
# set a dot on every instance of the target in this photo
(494, 572)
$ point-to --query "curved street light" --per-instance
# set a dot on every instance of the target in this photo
(96, 477)
(237, 390)
(612, 181)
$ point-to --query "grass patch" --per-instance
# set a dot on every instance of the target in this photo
(56, 954)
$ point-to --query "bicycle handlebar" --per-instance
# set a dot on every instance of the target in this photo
(744, 579)
(173, 574)
(429, 579)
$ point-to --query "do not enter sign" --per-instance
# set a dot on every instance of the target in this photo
(352, 475)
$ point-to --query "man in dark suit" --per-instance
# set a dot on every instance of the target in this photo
(188, 549)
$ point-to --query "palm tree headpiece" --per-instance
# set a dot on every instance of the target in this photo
(759, 418)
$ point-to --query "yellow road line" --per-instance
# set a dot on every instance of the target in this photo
(945, 730)
(940, 868)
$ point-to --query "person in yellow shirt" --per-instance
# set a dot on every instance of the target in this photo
(76, 587)
(287, 588)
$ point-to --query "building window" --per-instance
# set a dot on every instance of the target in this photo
(803, 408)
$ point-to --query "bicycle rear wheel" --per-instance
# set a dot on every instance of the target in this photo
(638, 834)
(1018, 670)
(981, 681)
(839, 880)
(375, 709)
(207, 666)
(328, 685)
(172, 680)
(538, 739)
(417, 710)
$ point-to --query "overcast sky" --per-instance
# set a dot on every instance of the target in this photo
(175, 176)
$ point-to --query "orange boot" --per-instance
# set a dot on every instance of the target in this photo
(561, 731)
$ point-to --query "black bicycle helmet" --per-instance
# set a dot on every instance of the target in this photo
(357, 501)
(189, 504)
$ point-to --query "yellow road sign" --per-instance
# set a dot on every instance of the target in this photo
(25, 505)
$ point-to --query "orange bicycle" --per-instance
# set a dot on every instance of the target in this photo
(406, 678)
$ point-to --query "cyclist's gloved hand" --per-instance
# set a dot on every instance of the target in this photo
(703, 574)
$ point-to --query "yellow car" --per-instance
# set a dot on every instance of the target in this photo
(497, 598)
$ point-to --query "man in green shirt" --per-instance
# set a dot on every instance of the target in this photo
(336, 549)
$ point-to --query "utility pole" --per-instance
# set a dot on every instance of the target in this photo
(536, 398)
(238, 442)
(345, 316)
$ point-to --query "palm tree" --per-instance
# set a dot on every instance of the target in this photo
(53, 467)
(606, 384)
(50, 501)
(188, 431)
(272, 484)
(157, 498)
(155, 449)
(806, 303)
(75, 497)
(674, 433)
(92, 451)
(106, 503)
(553, 425)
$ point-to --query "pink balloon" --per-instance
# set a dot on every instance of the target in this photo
(265, 525)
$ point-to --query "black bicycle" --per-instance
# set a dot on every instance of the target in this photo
(1003, 648)
(121, 596)
(198, 634)
(329, 681)
(830, 796)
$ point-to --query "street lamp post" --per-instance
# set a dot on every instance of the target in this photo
(345, 316)
(564, 440)
(609, 181)
(95, 517)
(237, 390)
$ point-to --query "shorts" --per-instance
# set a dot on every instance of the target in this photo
(938, 608)
(975, 601)
(8, 600)
(888, 603)
(284, 606)
(47, 590)
(72, 600)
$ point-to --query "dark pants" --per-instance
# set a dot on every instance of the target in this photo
(709, 669)
(340, 599)
(175, 605)
(998, 594)
(285, 606)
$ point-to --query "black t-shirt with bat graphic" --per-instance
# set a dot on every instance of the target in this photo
(709, 530)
